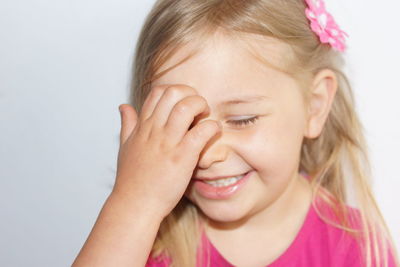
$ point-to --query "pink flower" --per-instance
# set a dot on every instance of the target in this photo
(323, 24)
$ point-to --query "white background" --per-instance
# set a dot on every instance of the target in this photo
(65, 68)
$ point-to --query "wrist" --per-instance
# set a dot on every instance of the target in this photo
(136, 205)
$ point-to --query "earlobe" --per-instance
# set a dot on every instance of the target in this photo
(323, 90)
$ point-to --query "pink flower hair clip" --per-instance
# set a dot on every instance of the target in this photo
(323, 24)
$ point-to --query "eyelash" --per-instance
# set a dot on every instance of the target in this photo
(245, 121)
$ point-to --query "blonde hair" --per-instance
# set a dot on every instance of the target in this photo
(334, 160)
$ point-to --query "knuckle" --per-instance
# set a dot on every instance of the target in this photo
(202, 129)
(179, 89)
(172, 92)
(181, 107)
(186, 88)
(186, 104)
(158, 90)
(202, 101)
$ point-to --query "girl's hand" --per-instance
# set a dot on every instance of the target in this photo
(158, 151)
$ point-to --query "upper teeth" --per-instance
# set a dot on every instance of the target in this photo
(224, 181)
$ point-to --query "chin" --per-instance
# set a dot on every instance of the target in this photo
(224, 216)
(220, 211)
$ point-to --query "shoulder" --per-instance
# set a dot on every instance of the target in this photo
(342, 247)
(328, 241)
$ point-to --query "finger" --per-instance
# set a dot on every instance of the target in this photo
(151, 101)
(182, 115)
(171, 96)
(196, 139)
(129, 120)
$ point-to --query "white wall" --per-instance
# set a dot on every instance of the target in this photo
(64, 69)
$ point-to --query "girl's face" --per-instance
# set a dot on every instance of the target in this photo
(269, 146)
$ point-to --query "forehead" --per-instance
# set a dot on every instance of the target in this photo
(225, 70)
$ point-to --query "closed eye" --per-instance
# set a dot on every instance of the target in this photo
(244, 121)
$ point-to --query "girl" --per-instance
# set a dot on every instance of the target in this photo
(247, 150)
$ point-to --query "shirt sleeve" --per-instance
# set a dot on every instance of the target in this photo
(152, 263)
(157, 262)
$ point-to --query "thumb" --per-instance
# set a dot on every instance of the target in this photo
(128, 121)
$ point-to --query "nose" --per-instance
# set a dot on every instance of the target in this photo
(214, 151)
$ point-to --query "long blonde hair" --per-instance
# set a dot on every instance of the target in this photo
(337, 161)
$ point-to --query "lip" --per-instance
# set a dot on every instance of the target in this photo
(219, 177)
(211, 192)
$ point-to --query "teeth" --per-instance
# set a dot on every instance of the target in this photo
(225, 181)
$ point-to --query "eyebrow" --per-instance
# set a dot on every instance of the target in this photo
(243, 100)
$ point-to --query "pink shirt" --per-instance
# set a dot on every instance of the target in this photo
(316, 244)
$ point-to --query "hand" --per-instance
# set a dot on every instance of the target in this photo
(158, 150)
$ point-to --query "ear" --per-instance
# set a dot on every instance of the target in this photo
(323, 91)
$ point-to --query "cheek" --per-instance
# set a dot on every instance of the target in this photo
(259, 148)
(272, 147)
